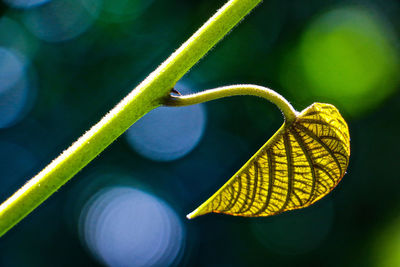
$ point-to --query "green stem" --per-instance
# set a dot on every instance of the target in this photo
(145, 97)
(241, 89)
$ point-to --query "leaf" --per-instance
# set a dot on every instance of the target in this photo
(301, 163)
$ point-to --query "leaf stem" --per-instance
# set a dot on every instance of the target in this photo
(145, 97)
(233, 90)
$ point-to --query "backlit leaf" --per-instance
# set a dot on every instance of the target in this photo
(299, 165)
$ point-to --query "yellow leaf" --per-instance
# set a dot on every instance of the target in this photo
(301, 163)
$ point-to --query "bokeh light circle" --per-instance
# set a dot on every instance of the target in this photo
(14, 36)
(345, 56)
(385, 247)
(16, 89)
(12, 69)
(168, 133)
(295, 232)
(61, 20)
(25, 3)
(123, 226)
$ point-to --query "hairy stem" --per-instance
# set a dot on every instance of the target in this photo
(145, 97)
(241, 89)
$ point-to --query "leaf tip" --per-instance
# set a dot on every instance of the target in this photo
(197, 212)
(191, 215)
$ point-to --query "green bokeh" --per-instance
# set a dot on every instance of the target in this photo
(386, 247)
(346, 55)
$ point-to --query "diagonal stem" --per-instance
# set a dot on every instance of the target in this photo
(145, 97)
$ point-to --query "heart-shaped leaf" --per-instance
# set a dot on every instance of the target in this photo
(301, 163)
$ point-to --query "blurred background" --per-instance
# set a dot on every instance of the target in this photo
(65, 63)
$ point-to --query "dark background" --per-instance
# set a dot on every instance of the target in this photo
(64, 64)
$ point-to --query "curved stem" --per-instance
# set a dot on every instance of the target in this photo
(145, 97)
(241, 89)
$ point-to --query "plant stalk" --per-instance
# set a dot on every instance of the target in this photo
(287, 109)
(145, 97)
